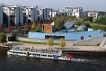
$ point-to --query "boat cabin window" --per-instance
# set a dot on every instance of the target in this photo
(38, 54)
(33, 54)
(21, 52)
(49, 55)
(29, 53)
(44, 55)
(15, 52)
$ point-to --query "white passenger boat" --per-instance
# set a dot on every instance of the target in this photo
(35, 53)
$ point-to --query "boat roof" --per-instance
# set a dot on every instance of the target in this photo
(32, 50)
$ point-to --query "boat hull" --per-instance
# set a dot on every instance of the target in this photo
(33, 56)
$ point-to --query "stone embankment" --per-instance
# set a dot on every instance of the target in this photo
(92, 41)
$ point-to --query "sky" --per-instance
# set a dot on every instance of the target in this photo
(95, 5)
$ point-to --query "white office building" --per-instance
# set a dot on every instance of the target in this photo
(74, 11)
(53, 13)
(93, 14)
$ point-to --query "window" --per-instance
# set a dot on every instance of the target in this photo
(44, 55)
(90, 36)
(82, 37)
(49, 55)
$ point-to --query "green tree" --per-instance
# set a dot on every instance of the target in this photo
(78, 23)
(101, 20)
(86, 23)
(62, 42)
(2, 38)
(85, 18)
(38, 29)
(33, 26)
(90, 19)
(50, 42)
(59, 24)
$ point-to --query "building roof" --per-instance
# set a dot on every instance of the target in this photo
(69, 25)
(82, 28)
(48, 22)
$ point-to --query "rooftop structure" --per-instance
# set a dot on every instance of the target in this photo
(82, 28)
(69, 25)
(48, 27)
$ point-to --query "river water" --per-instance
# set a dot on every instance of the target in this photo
(81, 63)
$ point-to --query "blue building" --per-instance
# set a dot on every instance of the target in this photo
(67, 36)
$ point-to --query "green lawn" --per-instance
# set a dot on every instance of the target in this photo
(35, 42)
(97, 26)
(93, 24)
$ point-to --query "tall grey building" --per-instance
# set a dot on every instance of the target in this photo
(30, 14)
(13, 15)
(47, 13)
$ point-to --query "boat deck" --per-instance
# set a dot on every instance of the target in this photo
(49, 51)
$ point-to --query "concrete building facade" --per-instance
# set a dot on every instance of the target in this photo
(93, 14)
(30, 14)
(74, 11)
(13, 15)
(40, 14)
(66, 36)
(47, 13)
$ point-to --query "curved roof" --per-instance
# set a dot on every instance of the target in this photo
(82, 28)
(69, 25)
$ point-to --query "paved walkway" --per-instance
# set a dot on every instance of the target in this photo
(68, 46)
